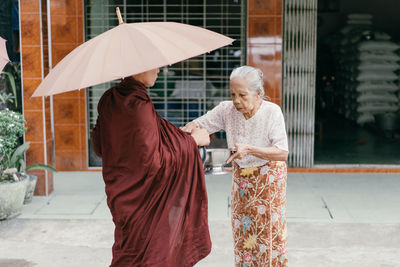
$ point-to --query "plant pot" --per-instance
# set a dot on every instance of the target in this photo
(30, 188)
(12, 197)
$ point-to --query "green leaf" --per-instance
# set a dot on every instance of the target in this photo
(14, 88)
(40, 167)
(5, 98)
(18, 154)
(22, 165)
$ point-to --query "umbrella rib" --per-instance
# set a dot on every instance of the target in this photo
(133, 40)
(77, 70)
(103, 65)
(61, 76)
(187, 56)
(151, 41)
(108, 45)
(167, 40)
(73, 72)
(51, 73)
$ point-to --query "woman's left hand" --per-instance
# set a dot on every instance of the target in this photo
(241, 150)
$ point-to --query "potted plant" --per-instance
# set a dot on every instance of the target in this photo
(12, 185)
(15, 184)
(17, 166)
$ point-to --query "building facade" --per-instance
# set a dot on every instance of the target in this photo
(58, 127)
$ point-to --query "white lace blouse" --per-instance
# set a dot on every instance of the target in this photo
(265, 129)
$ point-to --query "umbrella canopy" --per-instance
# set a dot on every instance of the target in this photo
(128, 49)
(3, 54)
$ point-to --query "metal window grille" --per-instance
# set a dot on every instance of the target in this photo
(299, 56)
(186, 90)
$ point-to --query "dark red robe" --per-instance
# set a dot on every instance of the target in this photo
(154, 182)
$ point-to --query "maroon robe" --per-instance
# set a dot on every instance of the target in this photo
(154, 182)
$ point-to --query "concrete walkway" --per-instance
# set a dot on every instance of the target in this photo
(333, 220)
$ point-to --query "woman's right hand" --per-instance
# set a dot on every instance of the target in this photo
(201, 136)
(189, 127)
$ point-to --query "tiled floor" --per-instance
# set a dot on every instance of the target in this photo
(333, 220)
(343, 142)
(317, 197)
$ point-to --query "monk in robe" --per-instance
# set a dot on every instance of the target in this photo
(154, 180)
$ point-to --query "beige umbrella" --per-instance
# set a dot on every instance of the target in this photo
(3, 54)
(128, 49)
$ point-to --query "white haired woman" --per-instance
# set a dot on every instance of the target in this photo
(255, 129)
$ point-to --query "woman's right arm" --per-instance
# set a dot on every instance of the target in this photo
(212, 121)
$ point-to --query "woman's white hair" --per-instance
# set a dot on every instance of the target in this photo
(253, 76)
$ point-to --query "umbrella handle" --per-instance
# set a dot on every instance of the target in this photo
(119, 16)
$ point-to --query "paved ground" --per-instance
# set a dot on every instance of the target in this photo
(333, 220)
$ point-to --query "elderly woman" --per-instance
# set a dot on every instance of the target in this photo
(255, 129)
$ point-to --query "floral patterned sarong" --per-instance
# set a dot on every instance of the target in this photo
(259, 215)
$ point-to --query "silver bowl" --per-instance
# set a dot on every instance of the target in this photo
(215, 161)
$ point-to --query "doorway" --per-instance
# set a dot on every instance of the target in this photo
(357, 118)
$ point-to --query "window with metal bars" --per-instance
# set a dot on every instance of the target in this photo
(188, 89)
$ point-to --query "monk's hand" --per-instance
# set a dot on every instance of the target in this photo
(201, 136)
(240, 150)
(189, 127)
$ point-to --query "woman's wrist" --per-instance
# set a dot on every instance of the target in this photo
(269, 153)
(248, 149)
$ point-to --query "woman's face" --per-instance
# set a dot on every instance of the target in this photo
(148, 78)
(244, 99)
